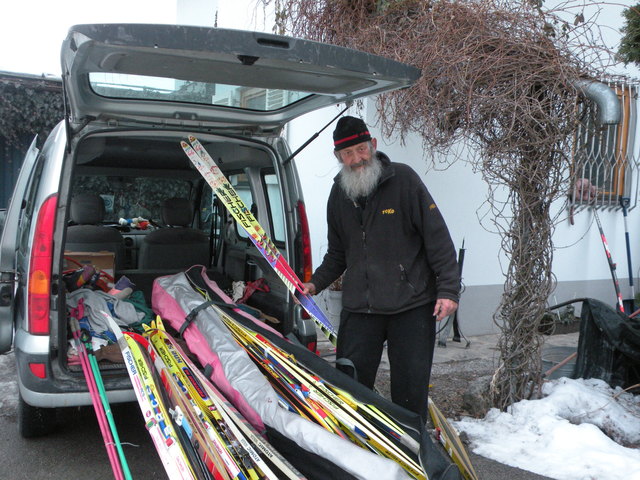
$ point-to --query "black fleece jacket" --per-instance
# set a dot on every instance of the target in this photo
(396, 252)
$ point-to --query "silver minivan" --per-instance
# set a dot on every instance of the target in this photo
(132, 93)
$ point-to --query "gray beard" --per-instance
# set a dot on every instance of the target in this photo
(360, 184)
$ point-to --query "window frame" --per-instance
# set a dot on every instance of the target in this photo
(610, 168)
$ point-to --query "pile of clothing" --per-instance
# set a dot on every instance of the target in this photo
(88, 293)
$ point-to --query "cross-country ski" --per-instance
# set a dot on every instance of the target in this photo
(232, 201)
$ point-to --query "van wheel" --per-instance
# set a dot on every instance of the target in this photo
(35, 421)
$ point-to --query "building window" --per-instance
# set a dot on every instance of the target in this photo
(604, 154)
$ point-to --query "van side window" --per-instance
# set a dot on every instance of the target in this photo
(274, 203)
(210, 219)
(211, 212)
(206, 210)
(240, 183)
(271, 187)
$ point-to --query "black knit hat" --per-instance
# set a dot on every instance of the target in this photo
(350, 131)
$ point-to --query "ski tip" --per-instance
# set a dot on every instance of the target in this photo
(155, 325)
(192, 138)
(184, 144)
(159, 324)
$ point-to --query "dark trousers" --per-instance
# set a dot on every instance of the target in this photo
(410, 338)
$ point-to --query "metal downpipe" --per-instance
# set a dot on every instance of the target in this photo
(609, 110)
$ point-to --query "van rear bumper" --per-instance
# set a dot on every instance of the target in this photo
(58, 389)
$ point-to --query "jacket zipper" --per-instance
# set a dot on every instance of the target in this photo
(360, 212)
(366, 273)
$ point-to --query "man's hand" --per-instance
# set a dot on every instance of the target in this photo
(309, 288)
(444, 307)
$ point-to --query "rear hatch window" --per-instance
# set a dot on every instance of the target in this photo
(146, 88)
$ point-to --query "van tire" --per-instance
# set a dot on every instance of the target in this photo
(35, 421)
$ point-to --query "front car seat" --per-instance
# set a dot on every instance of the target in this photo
(87, 234)
(176, 246)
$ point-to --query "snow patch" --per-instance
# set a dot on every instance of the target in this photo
(576, 431)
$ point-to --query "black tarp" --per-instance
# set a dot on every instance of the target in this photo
(609, 345)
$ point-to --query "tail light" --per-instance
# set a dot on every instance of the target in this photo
(38, 369)
(305, 245)
(307, 268)
(38, 297)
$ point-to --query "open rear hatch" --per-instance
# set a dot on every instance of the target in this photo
(183, 75)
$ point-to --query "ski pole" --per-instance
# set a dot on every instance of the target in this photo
(624, 203)
(105, 404)
(457, 332)
(97, 406)
(612, 266)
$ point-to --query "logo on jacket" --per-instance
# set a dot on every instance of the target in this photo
(388, 211)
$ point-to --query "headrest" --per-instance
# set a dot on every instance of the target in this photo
(87, 209)
(177, 212)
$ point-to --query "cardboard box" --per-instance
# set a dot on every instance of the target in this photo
(103, 261)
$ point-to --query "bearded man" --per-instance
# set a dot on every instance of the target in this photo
(387, 236)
